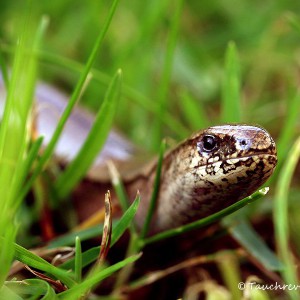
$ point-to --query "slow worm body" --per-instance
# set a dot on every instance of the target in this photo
(207, 172)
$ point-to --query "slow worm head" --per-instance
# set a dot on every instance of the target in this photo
(209, 171)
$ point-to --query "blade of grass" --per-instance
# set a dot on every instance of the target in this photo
(14, 134)
(7, 293)
(252, 242)
(121, 192)
(37, 288)
(193, 111)
(34, 261)
(288, 131)
(47, 292)
(75, 95)
(153, 13)
(68, 239)
(228, 264)
(95, 140)
(162, 94)
(78, 260)
(55, 283)
(133, 95)
(4, 70)
(231, 108)
(294, 21)
(289, 272)
(7, 250)
(118, 185)
(206, 221)
(155, 192)
(125, 221)
(30, 160)
(107, 229)
(80, 289)
(92, 254)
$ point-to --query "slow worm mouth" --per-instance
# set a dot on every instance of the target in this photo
(235, 160)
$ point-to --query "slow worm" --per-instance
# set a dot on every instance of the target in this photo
(209, 171)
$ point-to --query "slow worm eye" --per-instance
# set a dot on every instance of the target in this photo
(207, 144)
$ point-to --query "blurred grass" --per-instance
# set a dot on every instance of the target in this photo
(14, 135)
(221, 63)
(281, 216)
(77, 169)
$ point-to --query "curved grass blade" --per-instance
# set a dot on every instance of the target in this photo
(231, 108)
(4, 71)
(252, 242)
(163, 88)
(32, 260)
(69, 238)
(137, 97)
(288, 131)
(118, 185)
(7, 293)
(14, 134)
(289, 272)
(94, 141)
(80, 289)
(75, 96)
(194, 112)
(38, 288)
(92, 254)
(155, 192)
(208, 220)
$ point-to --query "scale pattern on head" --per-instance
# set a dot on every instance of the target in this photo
(213, 169)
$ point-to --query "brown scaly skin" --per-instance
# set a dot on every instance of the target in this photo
(209, 171)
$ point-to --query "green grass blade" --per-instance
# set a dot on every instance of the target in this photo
(14, 134)
(4, 71)
(294, 21)
(163, 88)
(118, 186)
(231, 108)
(75, 96)
(33, 152)
(121, 194)
(288, 131)
(47, 292)
(208, 220)
(193, 111)
(7, 250)
(10, 294)
(252, 242)
(32, 260)
(155, 192)
(36, 288)
(94, 141)
(125, 221)
(132, 94)
(69, 238)
(92, 254)
(281, 221)
(30, 160)
(78, 260)
(77, 291)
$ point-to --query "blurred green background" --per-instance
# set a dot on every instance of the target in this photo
(177, 59)
(266, 35)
